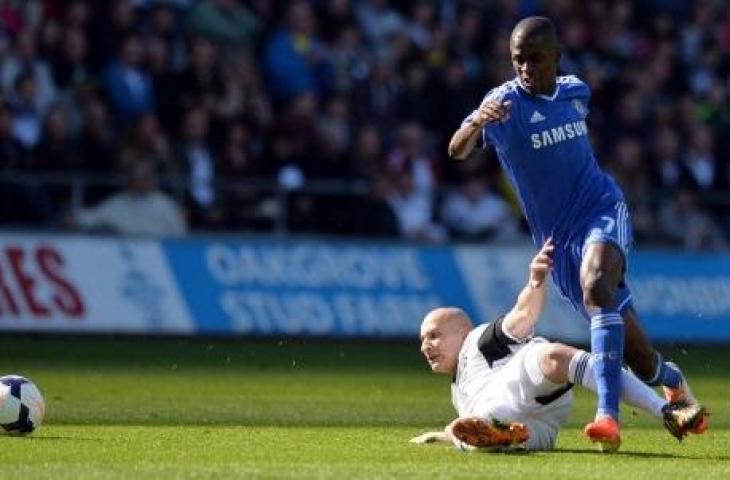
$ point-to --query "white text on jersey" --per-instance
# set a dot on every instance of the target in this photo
(559, 134)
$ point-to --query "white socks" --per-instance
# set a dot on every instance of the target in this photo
(633, 391)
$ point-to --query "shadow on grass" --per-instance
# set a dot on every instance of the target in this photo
(32, 438)
(625, 453)
(416, 424)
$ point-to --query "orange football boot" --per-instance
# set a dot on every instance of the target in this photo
(475, 432)
(681, 418)
(683, 395)
(606, 432)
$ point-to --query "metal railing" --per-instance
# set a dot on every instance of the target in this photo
(78, 185)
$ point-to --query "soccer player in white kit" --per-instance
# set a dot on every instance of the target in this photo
(511, 389)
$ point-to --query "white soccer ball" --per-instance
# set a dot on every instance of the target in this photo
(21, 405)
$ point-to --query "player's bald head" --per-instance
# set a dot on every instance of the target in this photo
(537, 29)
(448, 318)
(442, 335)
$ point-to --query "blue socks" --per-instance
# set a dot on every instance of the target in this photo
(667, 374)
(607, 346)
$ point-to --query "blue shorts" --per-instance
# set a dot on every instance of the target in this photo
(612, 225)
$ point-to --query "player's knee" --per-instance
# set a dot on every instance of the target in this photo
(600, 275)
(553, 363)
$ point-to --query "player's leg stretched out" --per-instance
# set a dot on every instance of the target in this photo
(563, 365)
(679, 418)
(653, 370)
(608, 302)
(601, 273)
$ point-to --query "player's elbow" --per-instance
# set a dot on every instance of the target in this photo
(518, 324)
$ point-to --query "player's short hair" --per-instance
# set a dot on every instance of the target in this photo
(536, 26)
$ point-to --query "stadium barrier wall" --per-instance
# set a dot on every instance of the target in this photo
(266, 286)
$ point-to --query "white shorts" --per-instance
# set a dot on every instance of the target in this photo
(520, 383)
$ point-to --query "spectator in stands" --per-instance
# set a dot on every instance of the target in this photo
(685, 225)
(11, 152)
(414, 103)
(70, 70)
(473, 212)
(140, 209)
(704, 168)
(78, 15)
(50, 40)
(334, 138)
(375, 97)
(28, 110)
(115, 21)
(164, 23)
(450, 97)
(98, 148)
(295, 60)
(629, 170)
(164, 82)
(299, 121)
(200, 83)
(421, 27)
(246, 206)
(224, 21)
(414, 210)
(97, 140)
(399, 70)
(373, 215)
(668, 170)
(197, 162)
(410, 152)
(238, 159)
(12, 18)
(367, 156)
(25, 62)
(57, 152)
(31, 204)
(147, 142)
(379, 22)
(715, 110)
(349, 58)
(128, 85)
(243, 93)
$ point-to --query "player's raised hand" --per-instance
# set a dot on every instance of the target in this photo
(541, 264)
(492, 111)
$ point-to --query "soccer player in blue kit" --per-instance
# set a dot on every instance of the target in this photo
(537, 125)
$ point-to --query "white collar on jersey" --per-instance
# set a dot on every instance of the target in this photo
(551, 97)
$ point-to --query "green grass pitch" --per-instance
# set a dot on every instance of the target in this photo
(171, 408)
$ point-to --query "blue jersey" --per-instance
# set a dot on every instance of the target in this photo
(545, 150)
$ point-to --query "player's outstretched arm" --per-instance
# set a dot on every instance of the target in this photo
(520, 321)
(472, 433)
(465, 138)
(432, 437)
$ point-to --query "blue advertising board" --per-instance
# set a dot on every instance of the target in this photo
(682, 296)
(317, 288)
(264, 286)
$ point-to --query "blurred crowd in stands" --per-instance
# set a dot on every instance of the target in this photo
(333, 116)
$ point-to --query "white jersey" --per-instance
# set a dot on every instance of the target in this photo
(497, 378)
(476, 383)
